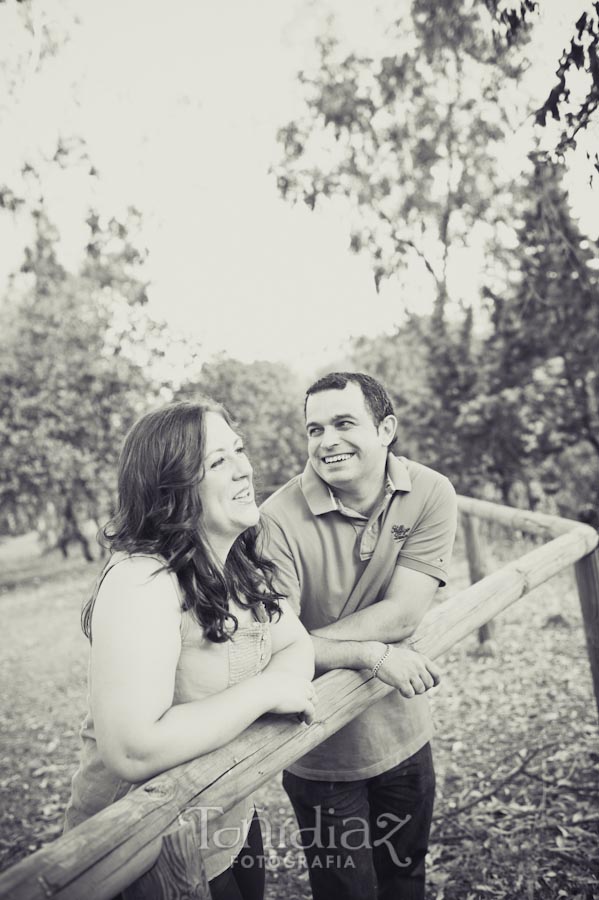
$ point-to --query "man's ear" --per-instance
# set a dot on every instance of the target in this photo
(387, 429)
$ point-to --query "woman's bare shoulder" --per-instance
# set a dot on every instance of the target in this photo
(139, 575)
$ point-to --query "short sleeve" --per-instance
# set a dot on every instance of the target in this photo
(274, 547)
(429, 546)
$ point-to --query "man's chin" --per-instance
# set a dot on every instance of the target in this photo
(335, 474)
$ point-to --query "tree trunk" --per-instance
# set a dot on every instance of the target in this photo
(72, 531)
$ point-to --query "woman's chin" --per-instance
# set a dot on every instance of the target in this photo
(251, 517)
(255, 516)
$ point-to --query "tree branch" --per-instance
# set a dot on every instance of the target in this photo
(509, 777)
(408, 243)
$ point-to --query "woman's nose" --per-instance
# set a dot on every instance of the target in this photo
(243, 466)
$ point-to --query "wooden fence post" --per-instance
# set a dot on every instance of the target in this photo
(587, 579)
(178, 873)
(477, 568)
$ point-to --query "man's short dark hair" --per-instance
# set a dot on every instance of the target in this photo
(375, 396)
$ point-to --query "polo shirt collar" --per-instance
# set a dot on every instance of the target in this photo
(317, 492)
(320, 498)
(398, 474)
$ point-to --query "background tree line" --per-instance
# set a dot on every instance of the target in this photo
(501, 394)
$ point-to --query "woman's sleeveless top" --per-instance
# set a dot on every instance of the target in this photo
(204, 668)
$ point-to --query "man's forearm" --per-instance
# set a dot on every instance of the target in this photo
(379, 622)
(338, 654)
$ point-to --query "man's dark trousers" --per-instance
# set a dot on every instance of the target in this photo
(374, 832)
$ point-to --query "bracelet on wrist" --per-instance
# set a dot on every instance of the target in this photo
(377, 666)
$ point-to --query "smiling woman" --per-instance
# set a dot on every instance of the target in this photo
(191, 643)
(226, 490)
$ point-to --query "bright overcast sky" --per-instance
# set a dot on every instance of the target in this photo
(179, 104)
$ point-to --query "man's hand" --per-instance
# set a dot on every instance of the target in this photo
(409, 672)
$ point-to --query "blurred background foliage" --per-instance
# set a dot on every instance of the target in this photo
(502, 395)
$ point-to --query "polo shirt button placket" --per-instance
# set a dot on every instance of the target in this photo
(368, 544)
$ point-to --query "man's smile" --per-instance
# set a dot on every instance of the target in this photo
(336, 458)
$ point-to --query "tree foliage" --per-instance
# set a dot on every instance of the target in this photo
(411, 138)
(69, 386)
(580, 55)
(33, 34)
(539, 390)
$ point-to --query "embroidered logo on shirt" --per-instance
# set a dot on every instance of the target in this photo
(399, 532)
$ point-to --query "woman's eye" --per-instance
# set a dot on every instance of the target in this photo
(240, 450)
(217, 462)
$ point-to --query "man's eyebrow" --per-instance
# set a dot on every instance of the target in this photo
(336, 418)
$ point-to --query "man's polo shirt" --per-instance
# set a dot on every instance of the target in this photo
(321, 549)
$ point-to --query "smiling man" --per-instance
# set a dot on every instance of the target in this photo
(362, 540)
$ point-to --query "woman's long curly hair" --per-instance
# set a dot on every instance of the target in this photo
(159, 512)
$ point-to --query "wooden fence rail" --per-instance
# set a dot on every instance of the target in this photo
(157, 821)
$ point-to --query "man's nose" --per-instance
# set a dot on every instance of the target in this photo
(329, 437)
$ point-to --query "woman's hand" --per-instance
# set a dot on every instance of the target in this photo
(291, 694)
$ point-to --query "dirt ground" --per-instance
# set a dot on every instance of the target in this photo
(516, 748)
